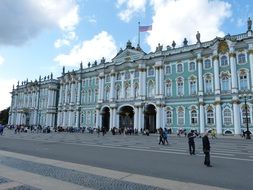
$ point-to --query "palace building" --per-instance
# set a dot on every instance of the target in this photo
(201, 86)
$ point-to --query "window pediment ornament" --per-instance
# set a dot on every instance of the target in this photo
(223, 47)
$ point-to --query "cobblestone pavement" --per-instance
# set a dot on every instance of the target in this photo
(8, 184)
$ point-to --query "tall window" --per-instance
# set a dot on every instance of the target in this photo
(151, 89)
(127, 75)
(224, 60)
(208, 84)
(107, 78)
(96, 95)
(180, 116)
(168, 89)
(89, 96)
(118, 92)
(127, 91)
(241, 58)
(194, 117)
(227, 116)
(225, 83)
(180, 87)
(179, 68)
(192, 66)
(151, 71)
(193, 87)
(169, 117)
(136, 74)
(107, 93)
(243, 80)
(207, 63)
(245, 116)
(136, 90)
(210, 116)
(118, 76)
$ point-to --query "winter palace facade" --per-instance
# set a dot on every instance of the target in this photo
(199, 86)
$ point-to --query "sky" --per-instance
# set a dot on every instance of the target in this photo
(40, 37)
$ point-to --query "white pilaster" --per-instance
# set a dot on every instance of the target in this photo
(201, 118)
(132, 84)
(97, 118)
(218, 118)
(161, 81)
(236, 117)
(79, 92)
(156, 81)
(111, 118)
(158, 117)
(114, 124)
(216, 74)
(200, 76)
(251, 66)
(136, 119)
(233, 72)
(112, 89)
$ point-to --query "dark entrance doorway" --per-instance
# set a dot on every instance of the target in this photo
(106, 118)
(126, 118)
(150, 118)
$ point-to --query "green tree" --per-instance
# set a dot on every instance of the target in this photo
(4, 114)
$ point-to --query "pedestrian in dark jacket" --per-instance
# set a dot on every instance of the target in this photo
(191, 137)
(206, 149)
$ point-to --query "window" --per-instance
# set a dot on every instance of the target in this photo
(127, 75)
(192, 66)
(208, 84)
(243, 80)
(168, 89)
(118, 77)
(136, 90)
(168, 69)
(127, 91)
(179, 68)
(210, 116)
(194, 117)
(117, 92)
(207, 64)
(245, 115)
(225, 83)
(136, 74)
(227, 116)
(180, 87)
(151, 71)
(224, 60)
(107, 93)
(107, 78)
(180, 116)
(89, 96)
(241, 58)
(169, 117)
(151, 89)
(193, 87)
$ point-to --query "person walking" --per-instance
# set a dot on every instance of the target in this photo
(161, 140)
(191, 136)
(165, 136)
(206, 149)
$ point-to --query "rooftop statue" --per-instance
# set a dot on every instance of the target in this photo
(198, 37)
(249, 24)
(173, 44)
(185, 42)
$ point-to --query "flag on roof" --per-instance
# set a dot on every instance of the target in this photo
(145, 28)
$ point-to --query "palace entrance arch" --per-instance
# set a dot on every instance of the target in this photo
(106, 118)
(126, 117)
(150, 118)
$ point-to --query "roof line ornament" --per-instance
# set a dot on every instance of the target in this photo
(198, 37)
(249, 23)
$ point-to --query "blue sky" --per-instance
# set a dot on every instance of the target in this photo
(39, 37)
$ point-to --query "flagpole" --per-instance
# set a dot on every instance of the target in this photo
(139, 33)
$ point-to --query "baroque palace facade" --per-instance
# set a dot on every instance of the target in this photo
(199, 86)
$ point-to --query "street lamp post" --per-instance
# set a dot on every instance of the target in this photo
(247, 121)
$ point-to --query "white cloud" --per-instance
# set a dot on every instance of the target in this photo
(24, 19)
(66, 39)
(175, 20)
(6, 88)
(132, 7)
(101, 45)
(1, 60)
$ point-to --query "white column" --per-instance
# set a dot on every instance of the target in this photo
(60, 95)
(200, 76)
(114, 124)
(218, 118)
(79, 92)
(97, 119)
(236, 117)
(123, 87)
(251, 66)
(161, 81)
(158, 117)
(141, 93)
(66, 93)
(111, 118)
(139, 119)
(132, 84)
(201, 118)
(102, 88)
(216, 74)
(136, 119)
(144, 84)
(72, 85)
(233, 72)
(112, 87)
(156, 81)
(99, 89)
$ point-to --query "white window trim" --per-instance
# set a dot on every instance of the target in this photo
(211, 64)
(190, 116)
(171, 111)
(205, 88)
(237, 58)
(183, 116)
(182, 87)
(189, 67)
(224, 116)
(177, 68)
(241, 113)
(238, 78)
(214, 116)
(228, 62)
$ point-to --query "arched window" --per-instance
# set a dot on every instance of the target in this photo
(243, 80)
(225, 83)
(180, 87)
(227, 116)
(246, 114)
(194, 117)
(224, 60)
(192, 66)
(207, 63)
(180, 116)
(168, 69)
(241, 58)
(169, 117)
(179, 68)
(151, 89)
(168, 90)
(118, 89)
(210, 116)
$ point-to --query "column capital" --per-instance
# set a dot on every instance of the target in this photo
(217, 102)
(235, 101)
(199, 60)
(232, 54)
(215, 57)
